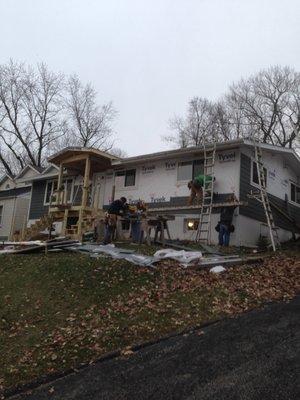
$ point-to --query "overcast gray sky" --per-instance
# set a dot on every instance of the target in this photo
(150, 57)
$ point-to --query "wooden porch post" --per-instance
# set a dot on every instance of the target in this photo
(59, 182)
(86, 181)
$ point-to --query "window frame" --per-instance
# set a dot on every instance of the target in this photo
(52, 181)
(180, 164)
(123, 172)
(49, 181)
(290, 193)
(192, 163)
(252, 170)
(126, 176)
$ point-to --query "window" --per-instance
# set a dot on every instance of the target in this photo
(295, 193)
(49, 191)
(1, 213)
(255, 179)
(198, 167)
(130, 177)
(51, 187)
(187, 170)
(68, 187)
(125, 178)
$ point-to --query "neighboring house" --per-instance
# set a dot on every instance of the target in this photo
(160, 179)
(14, 201)
(7, 182)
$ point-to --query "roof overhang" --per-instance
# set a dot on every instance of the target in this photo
(289, 155)
(36, 170)
(178, 153)
(5, 177)
(74, 158)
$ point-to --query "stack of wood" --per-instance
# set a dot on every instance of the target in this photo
(32, 232)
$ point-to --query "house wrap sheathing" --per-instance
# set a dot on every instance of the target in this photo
(160, 179)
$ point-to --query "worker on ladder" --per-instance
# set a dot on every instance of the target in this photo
(196, 187)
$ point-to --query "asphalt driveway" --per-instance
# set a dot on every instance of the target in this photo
(254, 356)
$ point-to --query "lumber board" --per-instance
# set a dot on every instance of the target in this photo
(202, 247)
(196, 207)
(214, 261)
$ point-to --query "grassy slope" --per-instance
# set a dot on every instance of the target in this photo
(60, 310)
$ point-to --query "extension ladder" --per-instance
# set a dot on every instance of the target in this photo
(263, 196)
(203, 231)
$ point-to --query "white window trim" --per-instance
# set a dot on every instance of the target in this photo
(72, 189)
(45, 194)
(251, 176)
(186, 181)
(53, 180)
(124, 188)
(294, 203)
(177, 169)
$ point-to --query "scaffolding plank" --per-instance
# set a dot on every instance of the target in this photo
(197, 207)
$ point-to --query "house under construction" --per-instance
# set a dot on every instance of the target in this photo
(81, 182)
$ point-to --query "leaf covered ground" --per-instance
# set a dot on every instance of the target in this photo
(61, 310)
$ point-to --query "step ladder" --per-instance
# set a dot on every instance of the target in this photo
(262, 196)
(203, 231)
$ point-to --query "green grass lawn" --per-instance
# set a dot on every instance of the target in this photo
(60, 310)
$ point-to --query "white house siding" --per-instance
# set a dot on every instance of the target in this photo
(21, 212)
(7, 184)
(279, 174)
(179, 230)
(157, 181)
(7, 217)
(248, 231)
(15, 211)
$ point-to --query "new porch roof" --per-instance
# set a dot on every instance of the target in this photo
(75, 158)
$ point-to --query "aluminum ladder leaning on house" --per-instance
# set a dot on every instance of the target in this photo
(263, 196)
(203, 231)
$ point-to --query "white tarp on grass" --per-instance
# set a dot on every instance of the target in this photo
(184, 258)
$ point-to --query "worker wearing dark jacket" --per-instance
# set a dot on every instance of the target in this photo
(118, 207)
(225, 224)
(115, 209)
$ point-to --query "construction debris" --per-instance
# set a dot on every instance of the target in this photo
(191, 259)
(37, 246)
(217, 269)
(185, 258)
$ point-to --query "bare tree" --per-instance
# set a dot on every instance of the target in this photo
(267, 105)
(40, 113)
(116, 151)
(30, 106)
(91, 125)
(197, 127)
